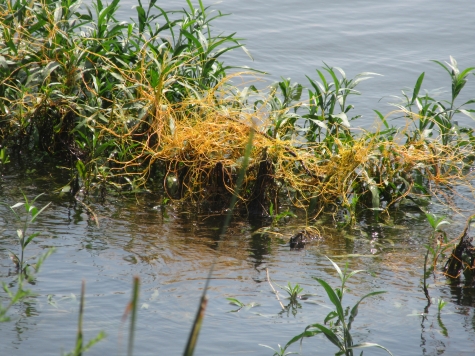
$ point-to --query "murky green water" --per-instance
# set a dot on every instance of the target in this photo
(171, 250)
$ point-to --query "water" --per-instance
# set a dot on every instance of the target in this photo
(172, 249)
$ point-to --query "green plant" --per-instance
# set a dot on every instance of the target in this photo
(23, 267)
(240, 304)
(25, 220)
(281, 351)
(277, 217)
(14, 298)
(431, 113)
(327, 119)
(437, 245)
(80, 348)
(292, 291)
(440, 305)
(4, 157)
(282, 105)
(339, 330)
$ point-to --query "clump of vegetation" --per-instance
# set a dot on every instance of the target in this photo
(340, 320)
(25, 271)
(150, 105)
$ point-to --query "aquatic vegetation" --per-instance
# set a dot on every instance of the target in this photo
(135, 106)
(25, 220)
(437, 245)
(25, 270)
(80, 347)
(281, 351)
(292, 290)
(240, 304)
(4, 158)
(339, 330)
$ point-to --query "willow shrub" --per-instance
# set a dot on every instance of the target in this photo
(127, 105)
(74, 80)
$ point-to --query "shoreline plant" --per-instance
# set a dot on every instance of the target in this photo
(339, 321)
(25, 271)
(135, 106)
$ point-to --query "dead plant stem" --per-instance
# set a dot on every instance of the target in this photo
(275, 292)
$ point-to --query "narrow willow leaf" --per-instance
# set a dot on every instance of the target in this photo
(235, 302)
(375, 195)
(38, 212)
(193, 338)
(330, 335)
(333, 298)
(337, 268)
(354, 310)
(344, 119)
(58, 13)
(467, 113)
(369, 344)
(29, 238)
(16, 205)
(417, 87)
(306, 333)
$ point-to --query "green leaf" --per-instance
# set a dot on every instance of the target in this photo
(81, 169)
(31, 237)
(369, 344)
(333, 298)
(16, 205)
(330, 335)
(306, 333)
(354, 310)
(382, 118)
(330, 316)
(235, 302)
(340, 273)
(467, 113)
(38, 212)
(417, 87)
(58, 13)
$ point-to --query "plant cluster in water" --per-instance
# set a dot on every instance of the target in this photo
(150, 105)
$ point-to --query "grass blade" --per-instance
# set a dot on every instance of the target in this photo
(369, 344)
(133, 318)
(195, 331)
(79, 337)
(417, 87)
(333, 298)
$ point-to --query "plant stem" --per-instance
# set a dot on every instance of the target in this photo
(275, 292)
(426, 291)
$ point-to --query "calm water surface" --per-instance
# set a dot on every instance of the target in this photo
(172, 249)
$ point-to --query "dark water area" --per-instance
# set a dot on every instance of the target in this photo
(172, 248)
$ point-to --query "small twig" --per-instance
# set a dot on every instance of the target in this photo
(95, 218)
(275, 292)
